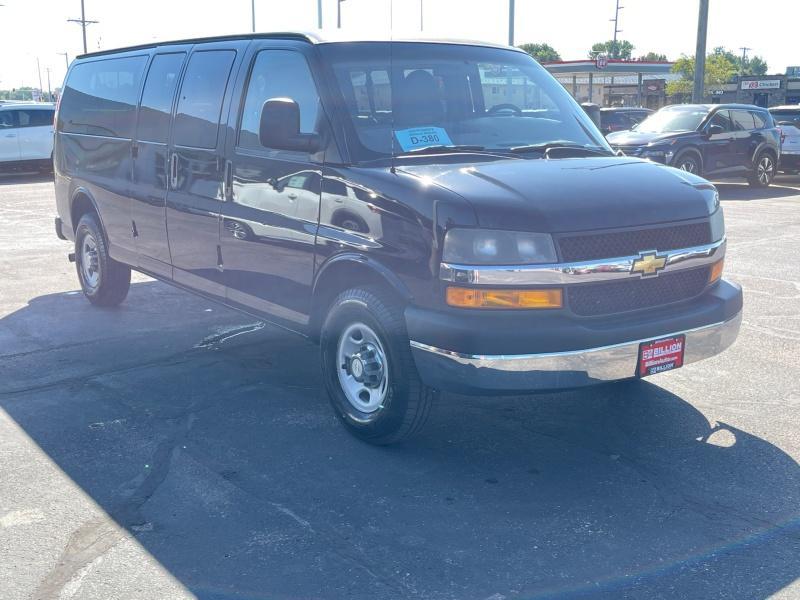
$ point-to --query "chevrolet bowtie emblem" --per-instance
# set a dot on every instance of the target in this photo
(648, 263)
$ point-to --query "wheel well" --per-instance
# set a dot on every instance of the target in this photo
(81, 205)
(692, 150)
(337, 278)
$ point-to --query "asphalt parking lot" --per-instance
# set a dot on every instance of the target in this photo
(172, 448)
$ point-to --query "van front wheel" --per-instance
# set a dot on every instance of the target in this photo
(104, 281)
(368, 369)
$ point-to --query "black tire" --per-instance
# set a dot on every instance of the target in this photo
(105, 282)
(764, 167)
(407, 402)
(689, 161)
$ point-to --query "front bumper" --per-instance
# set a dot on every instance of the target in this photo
(607, 352)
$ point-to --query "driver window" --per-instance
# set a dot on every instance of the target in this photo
(278, 74)
(722, 119)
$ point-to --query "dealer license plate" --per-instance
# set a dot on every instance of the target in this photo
(661, 355)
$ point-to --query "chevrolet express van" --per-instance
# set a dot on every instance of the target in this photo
(436, 215)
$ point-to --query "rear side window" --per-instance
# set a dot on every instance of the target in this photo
(159, 91)
(100, 97)
(761, 120)
(200, 104)
(742, 120)
(278, 74)
(35, 118)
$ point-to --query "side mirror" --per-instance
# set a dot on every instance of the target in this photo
(280, 127)
(715, 130)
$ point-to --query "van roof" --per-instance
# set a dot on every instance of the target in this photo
(310, 37)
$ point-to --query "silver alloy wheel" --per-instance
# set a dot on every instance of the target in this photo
(362, 368)
(90, 262)
(765, 170)
(688, 164)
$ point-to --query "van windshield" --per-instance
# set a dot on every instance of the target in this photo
(409, 97)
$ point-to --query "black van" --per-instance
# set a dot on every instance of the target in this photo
(437, 215)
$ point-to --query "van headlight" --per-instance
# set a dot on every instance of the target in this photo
(495, 247)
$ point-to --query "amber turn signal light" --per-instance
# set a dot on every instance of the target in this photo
(508, 299)
(716, 271)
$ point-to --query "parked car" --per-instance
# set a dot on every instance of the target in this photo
(622, 118)
(788, 120)
(712, 140)
(394, 202)
(26, 136)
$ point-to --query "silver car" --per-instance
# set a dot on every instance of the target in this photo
(788, 120)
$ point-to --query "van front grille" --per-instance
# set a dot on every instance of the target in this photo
(596, 299)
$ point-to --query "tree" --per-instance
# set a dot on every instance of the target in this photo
(612, 49)
(541, 52)
(654, 57)
(720, 69)
(755, 65)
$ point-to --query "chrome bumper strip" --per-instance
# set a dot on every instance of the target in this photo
(579, 272)
(566, 369)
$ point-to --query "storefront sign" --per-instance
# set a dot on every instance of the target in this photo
(762, 84)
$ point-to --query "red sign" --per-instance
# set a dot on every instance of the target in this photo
(661, 355)
(601, 62)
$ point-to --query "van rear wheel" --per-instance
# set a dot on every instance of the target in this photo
(369, 373)
(104, 281)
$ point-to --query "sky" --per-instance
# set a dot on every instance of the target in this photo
(39, 28)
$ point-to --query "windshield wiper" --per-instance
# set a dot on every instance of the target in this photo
(566, 146)
(444, 149)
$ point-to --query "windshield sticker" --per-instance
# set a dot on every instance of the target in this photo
(421, 137)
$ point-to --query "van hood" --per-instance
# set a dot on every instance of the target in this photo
(572, 194)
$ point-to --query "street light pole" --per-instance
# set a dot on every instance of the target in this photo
(700, 54)
(421, 15)
(510, 22)
(319, 14)
(66, 58)
(49, 89)
(253, 16)
(39, 69)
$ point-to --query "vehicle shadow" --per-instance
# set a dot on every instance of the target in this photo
(220, 455)
(17, 177)
(783, 187)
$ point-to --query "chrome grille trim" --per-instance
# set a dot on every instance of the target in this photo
(579, 272)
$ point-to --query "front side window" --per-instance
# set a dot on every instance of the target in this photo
(278, 74)
(8, 119)
(722, 119)
(99, 97)
(402, 97)
(159, 91)
(200, 103)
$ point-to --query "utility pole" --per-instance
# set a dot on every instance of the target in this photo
(253, 16)
(339, 14)
(49, 90)
(614, 49)
(39, 68)
(511, 22)
(66, 58)
(319, 14)
(744, 50)
(421, 14)
(83, 22)
(698, 93)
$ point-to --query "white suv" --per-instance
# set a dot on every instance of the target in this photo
(26, 136)
(787, 118)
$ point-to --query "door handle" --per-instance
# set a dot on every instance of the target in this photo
(227, 184)
(173, 170)
(292, 196)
